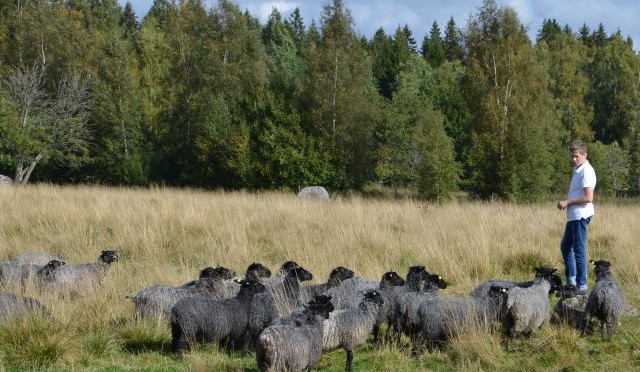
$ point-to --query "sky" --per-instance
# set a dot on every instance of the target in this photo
(419, 15)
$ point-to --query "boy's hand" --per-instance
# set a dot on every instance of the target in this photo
(562, 204)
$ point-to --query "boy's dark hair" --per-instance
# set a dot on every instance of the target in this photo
(578, 145)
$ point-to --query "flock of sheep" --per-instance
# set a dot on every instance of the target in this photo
(289, 324)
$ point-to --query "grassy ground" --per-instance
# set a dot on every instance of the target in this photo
(165, 236)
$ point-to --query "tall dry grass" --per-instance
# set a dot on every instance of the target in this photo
(168, 235)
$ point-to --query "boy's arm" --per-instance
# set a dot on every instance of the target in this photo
(587, 198)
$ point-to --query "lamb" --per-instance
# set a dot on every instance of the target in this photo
(203, 319)
(347, 297)
(336, 277)
(73, 279)
(606, 302)
(276, 302)
(442, 318)
(19, 269)
(350, 328)
(156, 301)
(527, 309)
(302, 314)
(289, 347)
(405, 316)
(12, 306)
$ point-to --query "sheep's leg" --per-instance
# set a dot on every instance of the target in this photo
(246, 344)
(375, 331)
(349, 360)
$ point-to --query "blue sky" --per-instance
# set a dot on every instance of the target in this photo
(369, 15)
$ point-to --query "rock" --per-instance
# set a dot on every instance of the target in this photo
(314, 192)
(5, 181)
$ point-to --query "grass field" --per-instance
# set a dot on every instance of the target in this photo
(165, 236)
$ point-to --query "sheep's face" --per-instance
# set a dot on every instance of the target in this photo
(53, 264)
(217, 273)
(251, 286)
(320, 305)
(288, 266)
(374, 297)
(434, 281)
(339, 274)
(556, 283)
(392, 278)
(497, 290)
(109, 256)
(301, 273)
(544, 271)
(257, 270)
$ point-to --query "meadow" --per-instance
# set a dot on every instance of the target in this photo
(166, 236)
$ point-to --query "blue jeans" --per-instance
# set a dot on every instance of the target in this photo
(574, 252)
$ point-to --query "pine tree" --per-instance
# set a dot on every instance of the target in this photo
(453, 42)
(433, 48)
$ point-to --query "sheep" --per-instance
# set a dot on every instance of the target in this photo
(72, 279)
(527, 309)
(347, 297)
(157, 301)
(277, 301)
(12, 306)
(350, 328)
(405, 315)
(294, 347)
(442, 318)
(203, 319)
(606, 302)
(276, 283)
(336, 277)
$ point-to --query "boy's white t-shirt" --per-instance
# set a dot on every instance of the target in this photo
(583, 176)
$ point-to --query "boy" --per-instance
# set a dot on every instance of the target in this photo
(579, 206)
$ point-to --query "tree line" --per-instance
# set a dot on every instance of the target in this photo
(212, 98)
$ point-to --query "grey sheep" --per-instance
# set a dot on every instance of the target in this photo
(277, 301)
(336, 277)
(275, 283)
(203, 319)
(444, 317)
(350, 293)
(350, 328)
(294, 347)
(74, 278)
(527, 309)
(606, 302)
(407, 303)
(156, 301)
(302, 314)
(12, 306)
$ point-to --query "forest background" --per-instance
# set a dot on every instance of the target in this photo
(212, 98)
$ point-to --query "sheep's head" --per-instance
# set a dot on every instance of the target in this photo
(497, 290)
(544, 271)
(339, 274)
(434, 281)
(53, 264)
(257, 271)
(301, 273)
(392, 278)
(287, 267)
(320, 305)
(374, 297)
(108, 256)
(251, 286)
(217, 273)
